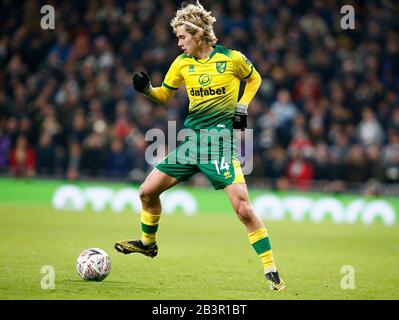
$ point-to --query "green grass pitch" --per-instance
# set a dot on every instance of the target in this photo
(202, 257)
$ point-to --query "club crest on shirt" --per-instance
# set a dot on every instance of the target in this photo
(221, 66)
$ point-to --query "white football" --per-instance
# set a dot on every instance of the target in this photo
(93, 264)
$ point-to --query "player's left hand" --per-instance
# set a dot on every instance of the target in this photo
(240, 117)
(141, 82)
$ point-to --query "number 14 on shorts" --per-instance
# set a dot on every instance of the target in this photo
(223, 165)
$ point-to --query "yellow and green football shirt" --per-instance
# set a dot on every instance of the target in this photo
(212, 86)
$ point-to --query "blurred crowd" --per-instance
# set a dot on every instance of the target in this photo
(325, 117)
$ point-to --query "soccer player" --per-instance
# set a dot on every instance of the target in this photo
(212, 76)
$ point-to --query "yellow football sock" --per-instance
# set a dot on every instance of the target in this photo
(260, 242)
(149, 226)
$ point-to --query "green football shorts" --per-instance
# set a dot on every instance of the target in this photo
(212, 152)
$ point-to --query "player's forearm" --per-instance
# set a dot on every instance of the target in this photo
(159, 94)
(251, 87)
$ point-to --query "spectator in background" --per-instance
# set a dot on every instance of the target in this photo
(369, 129)
(302, 143)
(103, 52)
(62, 48)
(119, 163)
(266, 125)
(5, 146)
(340, 146)
(122, 127)
(79, 130)
(22, 159)
(94, 155)
(74, 159)
(26, 129)
(375, 168)
(283, 109)
(313, 25)
(336, 165)
(275, 162)
(51, 126)
(390, 157)
(321, 163)
(5, 101)
(307, 88)
(45, 155)
(356, 168)
(137, 150)
(284, 112)
(11, 129)
(393, 122)
(299, 170)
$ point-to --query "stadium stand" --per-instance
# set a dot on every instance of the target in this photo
(325, 118)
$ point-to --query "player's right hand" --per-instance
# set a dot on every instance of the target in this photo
(141, 82)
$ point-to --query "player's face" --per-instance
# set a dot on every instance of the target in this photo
(187, 42)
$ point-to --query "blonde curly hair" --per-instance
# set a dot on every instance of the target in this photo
(198, 23)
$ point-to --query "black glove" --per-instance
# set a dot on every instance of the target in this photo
(240, 117)
(141, 82)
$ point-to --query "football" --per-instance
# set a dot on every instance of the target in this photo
(93, 264)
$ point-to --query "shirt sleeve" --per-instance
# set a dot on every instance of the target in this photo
(251, 87)
(173, 78)
(159, 95)
(242, 65)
